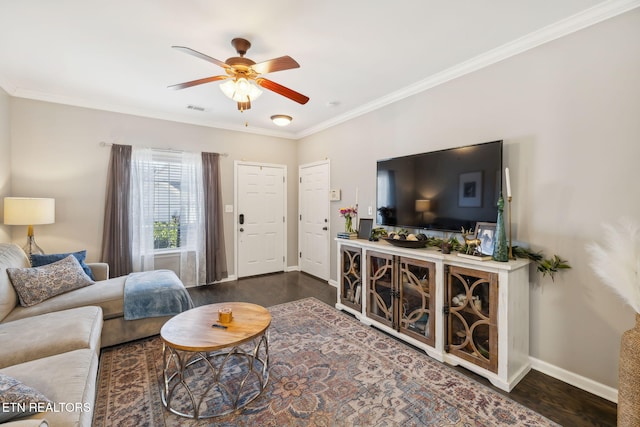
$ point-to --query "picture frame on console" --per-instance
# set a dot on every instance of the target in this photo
(364, 228)
(486, 232)
(470, 190)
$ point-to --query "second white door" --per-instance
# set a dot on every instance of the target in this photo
(314, 234)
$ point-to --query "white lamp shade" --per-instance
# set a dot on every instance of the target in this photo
(29, 211)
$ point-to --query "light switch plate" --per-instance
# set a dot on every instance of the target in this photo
(334, 195)
(228, 208)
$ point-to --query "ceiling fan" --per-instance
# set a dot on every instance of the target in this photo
(243, 75)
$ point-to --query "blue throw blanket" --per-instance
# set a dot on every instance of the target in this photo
(154, 294)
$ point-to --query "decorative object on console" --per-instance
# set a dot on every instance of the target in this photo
(406, 243)
(509, 198)
(500, 249)
(364, 228)
(378, 233)
(544, 265)
(617, 264)
(486, 233)
(480, 245)
(472, 244)
(29, 211)
(405, 239)
(348, 213)
(345, 235)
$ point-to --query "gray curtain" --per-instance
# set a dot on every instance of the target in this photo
(116, 243)
(216, 257)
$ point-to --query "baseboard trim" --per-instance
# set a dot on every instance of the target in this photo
(583, 383)
(575, 380)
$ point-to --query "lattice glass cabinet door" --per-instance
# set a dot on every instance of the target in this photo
(351, 277)
(417, 299)
(472, 321)
(381, 288)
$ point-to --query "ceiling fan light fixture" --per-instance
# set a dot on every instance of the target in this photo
(240, 90)
(281, 119)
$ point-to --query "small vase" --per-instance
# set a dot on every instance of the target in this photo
(500, 247)
(348, 224)
(629, 377)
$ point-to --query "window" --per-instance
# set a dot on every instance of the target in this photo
(172, 213)
(166, 202)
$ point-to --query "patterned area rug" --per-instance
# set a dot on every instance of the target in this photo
(327, 369)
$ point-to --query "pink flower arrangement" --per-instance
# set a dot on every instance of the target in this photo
(348, 212)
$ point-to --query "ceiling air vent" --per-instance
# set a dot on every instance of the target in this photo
(195, 107)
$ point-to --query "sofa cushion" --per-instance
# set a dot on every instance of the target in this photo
(107, 294)
(17, 399)
(48, 334)
(11, 255)
(38, 260)
(37, 284)
(68, 380)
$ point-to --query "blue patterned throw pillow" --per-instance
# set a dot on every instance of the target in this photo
(44, 259)
(36, 284)
(18, 399)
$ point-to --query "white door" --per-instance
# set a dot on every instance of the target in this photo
(260, 218)
(314, 236)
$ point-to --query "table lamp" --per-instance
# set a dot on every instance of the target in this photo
(29, 211)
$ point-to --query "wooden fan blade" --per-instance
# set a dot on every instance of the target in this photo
(275, 64)
(281, 90)
(198, 82)
(200, 55)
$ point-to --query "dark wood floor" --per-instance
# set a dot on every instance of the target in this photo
(558, 401)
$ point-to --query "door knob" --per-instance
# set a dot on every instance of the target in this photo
(325, 228)
(241, 229)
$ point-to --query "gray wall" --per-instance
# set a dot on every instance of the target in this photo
(568, 112)
(5, 159)
(56, 153)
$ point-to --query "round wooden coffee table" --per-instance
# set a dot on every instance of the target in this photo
(225, 368)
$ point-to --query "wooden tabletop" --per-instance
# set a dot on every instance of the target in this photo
(192, 331)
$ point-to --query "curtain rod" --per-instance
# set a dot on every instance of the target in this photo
(109, 144)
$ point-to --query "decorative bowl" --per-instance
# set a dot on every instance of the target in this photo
(406, 243)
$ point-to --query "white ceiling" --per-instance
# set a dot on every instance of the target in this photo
(355, 55)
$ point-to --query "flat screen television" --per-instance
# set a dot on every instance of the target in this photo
(442, 190)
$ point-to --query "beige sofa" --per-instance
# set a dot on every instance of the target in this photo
(54, 346)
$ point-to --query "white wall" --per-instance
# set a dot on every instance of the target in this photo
(568, 112)
(56, 153)
(5, 161)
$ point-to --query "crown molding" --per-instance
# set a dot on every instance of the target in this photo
(564, 27)
(141, 112)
